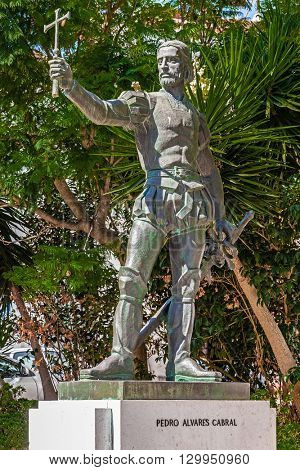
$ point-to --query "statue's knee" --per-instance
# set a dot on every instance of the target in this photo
(132, 286)
(186, 288)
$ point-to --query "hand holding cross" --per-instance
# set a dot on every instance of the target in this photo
(58, 21)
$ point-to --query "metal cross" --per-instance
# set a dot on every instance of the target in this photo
(58, 21)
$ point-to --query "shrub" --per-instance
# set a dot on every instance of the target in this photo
(14, 418)
(288, 426)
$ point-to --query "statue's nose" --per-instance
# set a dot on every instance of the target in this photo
(164, 64)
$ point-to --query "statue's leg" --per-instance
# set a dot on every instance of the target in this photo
(144, 244)
(186, 253)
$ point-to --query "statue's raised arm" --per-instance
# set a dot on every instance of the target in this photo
(129, 110)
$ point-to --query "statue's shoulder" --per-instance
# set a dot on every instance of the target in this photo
(139, 104)
(132, 96)
(141, 97)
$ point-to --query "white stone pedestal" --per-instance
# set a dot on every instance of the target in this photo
(153, 424)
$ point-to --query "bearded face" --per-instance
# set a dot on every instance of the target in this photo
(170, 67)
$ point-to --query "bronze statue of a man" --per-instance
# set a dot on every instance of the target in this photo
(182, 198)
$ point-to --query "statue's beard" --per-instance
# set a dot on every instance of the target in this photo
(170, 81)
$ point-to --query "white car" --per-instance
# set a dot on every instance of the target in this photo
(16, 374)
(22, 352)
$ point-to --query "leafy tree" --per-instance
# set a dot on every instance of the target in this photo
(70, 295)
(15, 251)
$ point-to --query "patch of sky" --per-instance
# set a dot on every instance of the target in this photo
(247, 12)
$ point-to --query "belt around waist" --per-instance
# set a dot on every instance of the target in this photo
(174, 171)
(171, 177)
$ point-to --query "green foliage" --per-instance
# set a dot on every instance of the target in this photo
(14, 418)
(13, 228)
(293, 375)
(287, 426)
(240, 85)
(78, 328)
(288, 436)
(72, 295)
(204, 20)
(272, 262)
(7, 326)
(79, 272)
(13, 251)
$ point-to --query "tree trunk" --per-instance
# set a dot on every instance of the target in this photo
(141, 362)
(277, 342)
(48, 388)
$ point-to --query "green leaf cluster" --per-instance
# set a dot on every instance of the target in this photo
(54, 267)
(13, 418)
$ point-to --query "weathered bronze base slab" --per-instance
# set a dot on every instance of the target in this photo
(147, 390)
(207, 379)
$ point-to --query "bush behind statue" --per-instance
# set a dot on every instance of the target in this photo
(14, 418)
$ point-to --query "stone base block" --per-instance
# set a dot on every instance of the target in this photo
(147, 390)
(153, 424)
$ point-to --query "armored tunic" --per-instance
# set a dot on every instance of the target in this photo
(169, 135)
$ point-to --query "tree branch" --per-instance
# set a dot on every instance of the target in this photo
(70, 199)
(83, 226)
(272, 331)
(96, 228)
(98, 232)
(48, 388)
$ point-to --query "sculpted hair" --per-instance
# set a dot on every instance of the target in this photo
(184, 54)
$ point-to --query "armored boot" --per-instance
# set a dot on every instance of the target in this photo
(127, 324)
(181, 367)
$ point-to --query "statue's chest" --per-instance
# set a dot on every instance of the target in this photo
(179, 118)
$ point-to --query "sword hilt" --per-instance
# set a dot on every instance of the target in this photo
(238, 231)
(55, 82)
(224, 251)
